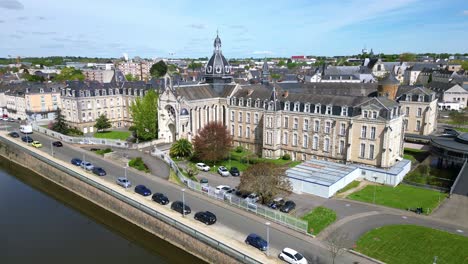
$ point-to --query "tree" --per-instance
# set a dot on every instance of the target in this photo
(337, 242)
(246, 67)
(458, 118)
(34, 78)
(464, 65)
(145, 116)
(265, 179)
(102, 123)
(275, 76)
(181, 148)
(158, 69)
(407, 57)
(212, 143)
(194, 65)
(281, 63)
(291, 65)
(70, 74)
(60, 125)
(130, 77)
(192, 170)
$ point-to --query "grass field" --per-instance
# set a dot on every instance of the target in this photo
(319, 218)
(122, 135)
(402, 197)
(415, 155)
(351, 185)
(397, 244)
(428, 175)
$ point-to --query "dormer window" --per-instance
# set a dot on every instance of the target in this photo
(233, 100)
(116, 91)
(296, 107)
(104, 92)
(249, 102)
(328, 110)
(88, 93)
(344, 111)
(317, 109)
(286, 106)
(270, 106)
(257, 103)
(265, 104)
(241, 101)
(81, 93)
(53, 90)
(374, 114)
(408, 97)
(307, 108)
(421, 98)
(110, 92)
(365, 114)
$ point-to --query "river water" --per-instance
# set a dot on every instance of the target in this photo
(41, 222)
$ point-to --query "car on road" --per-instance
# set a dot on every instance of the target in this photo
(124, 182)
(99, 171)
(76, 161)
(14, 134)
(291, 256)
(160, 198)
(256, 241)
(276, 203)
(206, 217)
(234, 171)
(178, 205)
(57, 144)
(27, 139)
(87, 165)
(288, 207)
(223, 171)
(253, 198)
(142, 190)
(222, 189)
(202, 166)
(36, 144)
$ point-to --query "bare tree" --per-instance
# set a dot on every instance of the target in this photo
(337, 243)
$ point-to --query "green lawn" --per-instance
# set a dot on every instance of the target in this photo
(415, 155)
(462, 129)
(319, 218)
(397, 244)
(351, 185)
(122, 135)
(428, 175)
(402, 197)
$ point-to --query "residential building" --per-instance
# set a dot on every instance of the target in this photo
(98, 75)
(450, 93)
(139, 69)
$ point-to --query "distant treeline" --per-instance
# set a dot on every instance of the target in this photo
(56, 60)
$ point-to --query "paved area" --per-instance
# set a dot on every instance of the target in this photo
(454, 209)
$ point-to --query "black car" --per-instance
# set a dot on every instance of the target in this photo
(99, 171)
(234, 171)
(177, 206)
(76, 161)
(57, 144)
(27, 139)
(288, 207)
(14, 134)
(257, 241)
(206, 217)
(242, 194)
(141, 189)
(160, 198)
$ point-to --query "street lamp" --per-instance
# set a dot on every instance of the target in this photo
(375, 186)
(126, 180)
(183, 202)
(52, 148)
(268, 238)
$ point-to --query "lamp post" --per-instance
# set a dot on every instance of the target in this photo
(126, 180)
(375, 186)
(268, 238)
(183, 202)
(52, 148)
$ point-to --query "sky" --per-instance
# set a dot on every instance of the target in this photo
(247, 28)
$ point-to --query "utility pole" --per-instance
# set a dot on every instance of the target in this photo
(375, 186)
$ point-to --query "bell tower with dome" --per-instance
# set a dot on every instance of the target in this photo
(218, 69)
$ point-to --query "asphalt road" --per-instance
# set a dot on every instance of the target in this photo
(238, 223)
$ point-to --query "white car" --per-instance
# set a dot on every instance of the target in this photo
(223, 171)
(252, 198)
(222, 189)
(87, 165)
(292, 256)
(202, 166)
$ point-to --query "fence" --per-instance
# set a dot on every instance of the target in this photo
(182, 227)
(270, 214)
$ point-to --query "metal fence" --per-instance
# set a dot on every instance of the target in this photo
(270, 214)
(182, 227)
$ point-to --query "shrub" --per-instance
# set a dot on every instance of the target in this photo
(138, 164)
(286, 157)
(74, 132)
(103, 151)
(239, 149)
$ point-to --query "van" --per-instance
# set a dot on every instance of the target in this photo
(26, 129)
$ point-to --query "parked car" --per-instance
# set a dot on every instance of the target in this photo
(202, 166)
(87, 165)
(36, 144)
(292, 256)
(288, 207)
(276, 203)
(242, 194)
(99, 171)
(203, 181)
(160, 198)
(206, 217)
(124, 182)
(76, 162)
(234, 171)
(256, 241)
(253, 198)
(27, 139)
(57, 144)
(14, 134)
(229, 193)
(11, 119)
(178, 205)
(141, 189)
(223, 171)
(221, 189)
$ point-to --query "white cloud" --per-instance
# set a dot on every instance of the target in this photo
(465, 12)
(11, 4)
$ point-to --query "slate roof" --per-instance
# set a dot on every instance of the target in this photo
(440, 86)
(406, 89)
(389, 80)
(204, 91)
(348, 89)
(29, 87)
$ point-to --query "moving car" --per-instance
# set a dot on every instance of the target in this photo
(202, 166)
(99, 171)
(178, 205)
(276, 203)
(256, 241)
(206, 217)
(288, 207)
(234, 171)
(76, 161)
(87, 165)
(26, 129)
(292, 256)
(14, 134)
(36, 144)
(160, 198)
(57, 144)
(124, 182)
(222, 189)
(223, 171)
(141, 189)
(27, 139)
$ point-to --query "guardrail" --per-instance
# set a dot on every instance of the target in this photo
(465, 166)
(270, 214)
(182, 227)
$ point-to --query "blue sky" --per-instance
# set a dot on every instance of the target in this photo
(273, 28)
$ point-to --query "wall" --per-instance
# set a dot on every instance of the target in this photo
(390, 177)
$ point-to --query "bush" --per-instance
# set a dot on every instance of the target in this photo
(239, 149)
(138, 164)
(286, 157)
(103, 151)
(74, 132)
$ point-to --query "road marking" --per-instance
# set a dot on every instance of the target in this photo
(459, 231)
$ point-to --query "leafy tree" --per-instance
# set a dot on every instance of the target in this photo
(212, 143)
(60, 125)
(102, 123)
(34, 78)
(181, 148)
(194, 65)
(281, 63)
(407, 56)
(464, 65)
(130, 77)
(458, 118)
(246, 67)
(158, 69)
(292, 65)
(70, 74)
(145, 116)
(265, 179)
(275, 76)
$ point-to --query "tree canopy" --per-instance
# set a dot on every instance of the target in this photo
(181, 148)
(102, 123)
(281, 63)
(130, 77)
(458, 118)
(158, 69)
(194, 65)
(60, 125)
(70, 74)
(212, 143)
(145, 116)
(407, 56)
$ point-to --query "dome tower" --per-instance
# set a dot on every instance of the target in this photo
(218, 69)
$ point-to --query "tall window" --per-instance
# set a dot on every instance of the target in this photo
(285, 138)
(407, 111)
(307, 108)
(372, 132)
(363, 131)
(239, 133)
(232, 116)
(362, 151)
(365, 113)
(269, 121)
(371, 151)
(247, 132)
(374, 114)
(344, 111)
(342, 129)
(247, 118)
(240, 117)
(295, 124)
(294, 139)
(305, 141)
(418, 125)
(269, 137)
(328, 110)
(327, 127)
(232, 130)
(256, 118)
(317, 109)
(326, 145)
(315, 142)
(419, 113)
(341, 147)
(286, 122)
(306, 124)
(316, 125)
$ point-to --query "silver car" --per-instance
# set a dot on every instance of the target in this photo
(124, 182)
(223, 171)
(87, 165)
